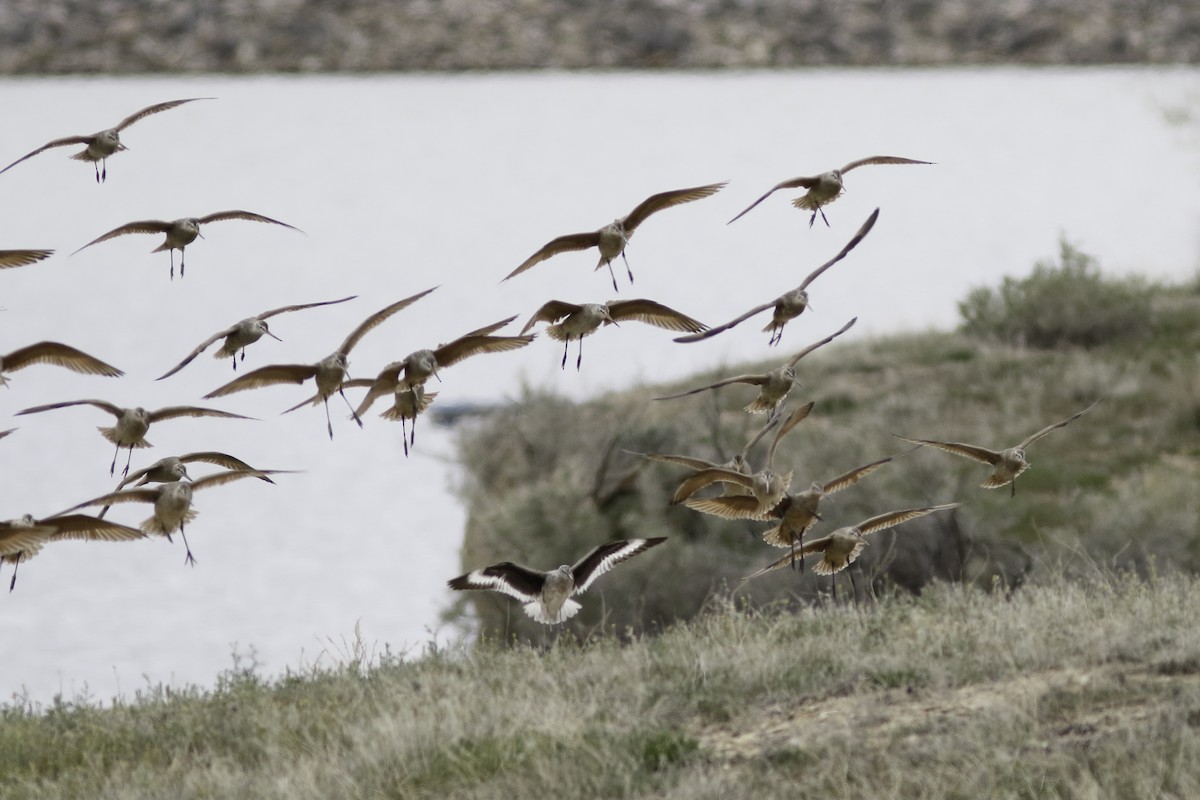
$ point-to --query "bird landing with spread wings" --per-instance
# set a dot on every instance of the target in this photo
(132, 423)
(1006, 464)
(614, 237)
(546, 595)
(99, 146)
(570, 321)
(330, 373)
(791, 304)
(181, 232)
(823, 189)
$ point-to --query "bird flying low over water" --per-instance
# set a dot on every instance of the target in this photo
(571, 321)
(244, 333)
(774, 385)
(330, 373)
(60, 355)
(417, 367)
(172, 502)
(180, 232)
(1007, 464)
(546, 595)
(132, 423)
(19, 258)
(99, 146)
(823, 189)
(613, 237)
(790, 305)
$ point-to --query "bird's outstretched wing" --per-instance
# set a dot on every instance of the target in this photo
(605, 557)
(561, 244)
(657, 202)
(154, 109)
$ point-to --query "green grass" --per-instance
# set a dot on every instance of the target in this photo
(1075, 688)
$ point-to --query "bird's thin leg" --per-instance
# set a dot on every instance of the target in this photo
(13, 583)
(404, 434)
(1013, 490)
(328, 423)
(243, 355)
(611, 274)
(128, 458)
(627, 269)
(579, 358)
(112, 468)
(413, 440)
(171, 253)
(566, 344)
(822, 210)
(353, 414)
(182, 253)
(95, 166)
(235, 360)
(833, 583)
(813, 218)
(189, 560)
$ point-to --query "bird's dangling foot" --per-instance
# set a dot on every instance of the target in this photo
(628, 271)
(822, 210)
(566, 345)
(188, 559)
(612, 275)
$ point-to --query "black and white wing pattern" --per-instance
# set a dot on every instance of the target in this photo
(607, 556)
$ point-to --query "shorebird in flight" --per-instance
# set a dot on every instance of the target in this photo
(172, 502)
(613, 237)
(132, 423)
(174, 468)
(546, 595)
(60, 355)
(839, 549)
(571, 321)
(790, 305)
(180, 232)
(823, 189)
(763, 489)
(23, 538)
(330, 373)
(19, 258)
(417, 367)
(773, 386)
(99, 146)
(241, 335)
(1006, 464)
(799, 512)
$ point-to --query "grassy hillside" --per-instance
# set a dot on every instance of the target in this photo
(1087, 688)
(547, 479)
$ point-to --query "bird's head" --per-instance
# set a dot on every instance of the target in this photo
(264, 328)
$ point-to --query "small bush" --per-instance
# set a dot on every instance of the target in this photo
(1068, 303)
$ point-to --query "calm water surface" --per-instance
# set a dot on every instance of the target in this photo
(402, 183)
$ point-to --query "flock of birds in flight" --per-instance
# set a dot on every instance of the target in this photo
(763, 495)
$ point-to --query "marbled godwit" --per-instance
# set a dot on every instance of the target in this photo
(613, 237)
(839, 549)
(418, 366)
(823, 189)
(767, 487)
(578, 321)
(99, 146)
(330, 372)
(408, 404)
(172, 502)
(739, 462)
(799, 512)
(546, 594)
(132, 423)
(774, 385)
(23, 538)
(1006, 464)
(790, 305)
(19, 258)
(241, 335)
(60, 355)
(180, 232)
(174, 468)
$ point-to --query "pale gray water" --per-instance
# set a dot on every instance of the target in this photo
(402, 183)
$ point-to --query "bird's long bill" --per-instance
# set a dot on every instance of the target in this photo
(273, 336)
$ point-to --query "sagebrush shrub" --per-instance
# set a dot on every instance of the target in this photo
(1065, 303)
